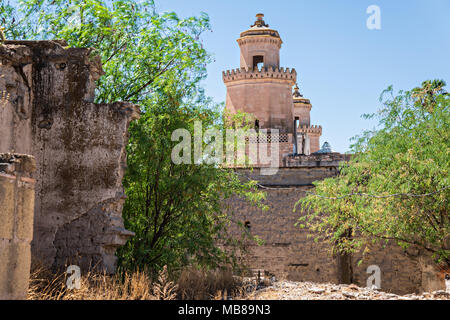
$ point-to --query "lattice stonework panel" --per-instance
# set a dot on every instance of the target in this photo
(268, 138)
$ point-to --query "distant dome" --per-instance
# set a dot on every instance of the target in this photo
(326, 148)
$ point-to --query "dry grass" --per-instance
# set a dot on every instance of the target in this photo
(45, 285)
(164, 289)
(193, 284)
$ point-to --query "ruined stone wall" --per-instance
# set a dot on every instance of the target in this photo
(16, 227)
(287, 251)
(291, 253)
(399, 273)
(79, 148)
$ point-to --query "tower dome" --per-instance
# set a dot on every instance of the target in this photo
(302, 108)
(260, 45)
(326, 148)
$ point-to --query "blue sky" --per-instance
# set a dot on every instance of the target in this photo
(342, 66)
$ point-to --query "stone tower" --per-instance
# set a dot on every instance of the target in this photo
(263, 88)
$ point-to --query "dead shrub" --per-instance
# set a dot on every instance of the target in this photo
(192, 284)
(199, 284)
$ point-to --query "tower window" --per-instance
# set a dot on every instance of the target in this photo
(296, 122)
(257, 125)
(258, 61)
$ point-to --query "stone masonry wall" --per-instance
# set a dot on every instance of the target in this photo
(287, 251)
(48, 111)
(16, 227)
(291, 253)
(399, 273)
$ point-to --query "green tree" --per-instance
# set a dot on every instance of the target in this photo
(396, 187)
(157, 61)
(11, 22)
(177, 210)
(138, 47)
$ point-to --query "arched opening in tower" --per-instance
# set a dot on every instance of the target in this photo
(258, 62)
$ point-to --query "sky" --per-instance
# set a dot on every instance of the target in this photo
(342, 66)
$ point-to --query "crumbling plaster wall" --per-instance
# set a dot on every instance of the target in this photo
(79, 146)
(16, 227)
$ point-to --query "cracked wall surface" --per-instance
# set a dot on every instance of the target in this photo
(47, 111)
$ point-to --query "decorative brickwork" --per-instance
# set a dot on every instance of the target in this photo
(264, 73)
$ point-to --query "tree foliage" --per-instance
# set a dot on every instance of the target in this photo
(177, 210)
(139, 47)
(157, 61)
(396, 187)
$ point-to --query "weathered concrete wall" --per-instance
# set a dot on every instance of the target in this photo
(15, 99)
(291, 253)
(79, 194)
(79, 148)
(16, 227)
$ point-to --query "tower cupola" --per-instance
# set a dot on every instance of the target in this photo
(302, 108)
(260, 45)
(264, 89)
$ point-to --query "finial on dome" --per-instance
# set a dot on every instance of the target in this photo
(259, 21)
(296, 91)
